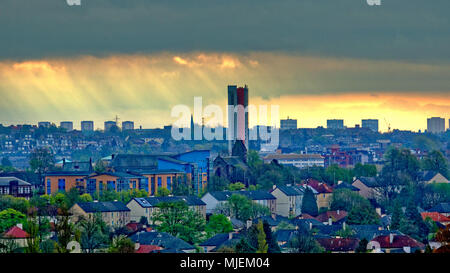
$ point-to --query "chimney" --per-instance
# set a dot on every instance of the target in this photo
(20, 226)
(337, 212)
(274, 216)
(310, 225)
(391, 238)
(64, 161)
(112, 156)
(274, 187)
(330, 221)
(137, 245)
(344, 226)
(339, 182)
(378, 210)
(230, 235)
(249, 223)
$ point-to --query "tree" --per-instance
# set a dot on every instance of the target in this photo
(100, 166)
(262, 244)
(436, 161)
(94, 233)
(397, 216)
(6, 162)
(10, 218)
(443, 236)
(218, 223)
(309, 204)
(236, 186)
(178, 220)
(345, 199)
(243, 246)
(413, 224)
(362, 246)
(303, 242)
(163, 192)
(363, 214)
(217, 183)
(32, 228)
(41, 160)
(86, 197)
(121, 244)
(242, 208)
(366, 170)
(65, 230)
(273, 246)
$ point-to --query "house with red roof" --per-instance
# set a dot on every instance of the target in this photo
(146, 248)
(436, 217)
(324, 192)
(15, 233)
(339, 245)
(395, 243)
(332, 217)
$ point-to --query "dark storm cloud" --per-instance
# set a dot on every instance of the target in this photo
(415, 30)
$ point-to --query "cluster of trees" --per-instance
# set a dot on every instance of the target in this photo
(241, 207)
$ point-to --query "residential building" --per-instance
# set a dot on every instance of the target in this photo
(335, 124)
(368, 187)
(87, 126)
(147, 207)
(15, 187)
(165, 241)
(339, 245)
(127, 125)
(288, 124)
(442, 208)
(67, 125)
(301, 161)
(324, 192)
(115, 213)
(44, 124)
(15, 234)
(217, 241)
(436, 217)
(372, 124)
(395, 243)
(115, 181)
(64, 181)
(212, 199)
(237, 115)
(332, 217)
(109, 125)
(429, 177)
(288, 200)
(435, 125)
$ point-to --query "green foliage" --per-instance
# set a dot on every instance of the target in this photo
(262, 244)
(32, 228)
(16, 203)
(412, 224)
(397, 216)
(6, 162)
(242, 208)
(309, 204)
(345, 199)
(162, 192)
(363, 214)
(243, 246)
(236, 186)
(304, 243)
(345, 233)
(86, 197)
(10, 218)
(362, 246)
(366, 170)
(178, 220)
(273, 246)
(100, 166)
(217, 183)
(94, 233)
(436, 161)
(65, 231)
(182, 186)
(285, 225)
(121, 244)
(218, 223)
(41, 160)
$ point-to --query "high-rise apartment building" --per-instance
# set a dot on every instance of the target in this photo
(335, 124)
(127, 125)
(435, 125)
(68, 125)
(87, 126)
(237, 115)
(372, 124)
(286, 124)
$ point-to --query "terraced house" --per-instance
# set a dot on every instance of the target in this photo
(113, 213)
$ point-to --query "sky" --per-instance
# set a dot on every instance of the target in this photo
(138, 59)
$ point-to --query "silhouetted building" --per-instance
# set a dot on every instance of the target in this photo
(238, 116)
(335, 124)
(372, 124)
(435, 125)
(127, 125)
(68, 125)
(87, 126)
(288, 124)
(109, 125)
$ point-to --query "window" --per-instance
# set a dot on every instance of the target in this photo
(169, 182)
(100, 186)
(111, 185)
(159, 182)
(49, 186)
(153, 186)
(62, 184)
(91, 186)
(143, 184)
(134, 184)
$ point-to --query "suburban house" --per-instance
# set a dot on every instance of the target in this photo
(442, 208)
(324, 192)
(148, 206)
(288, 200)
(429, 177)
(436, 217)
(368, 187)
(212, 199)
(339, 245)
(165, 241)
(214, 243)
(297, 160)
(15, 187)
(16, 234)
(395, 243)
(113, 213)
(332, 217)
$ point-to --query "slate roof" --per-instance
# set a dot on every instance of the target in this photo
(148, 202)
(285, 235)
(218, 239)
(5, 181)
(441, 208)
(399, 241)
(338, 244)
(161, 239)
(370, 182)
(272, 222)
(83, 166)
(368, 232)
(67, 173)
(137, 160)
(348, 186)
(427, 175)
(320, 187)
(292, 190)
(173, 160)
(253, 195)
(327, 229)
(306, 222)
(92, 207)
(116, 174)
(237, 224)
